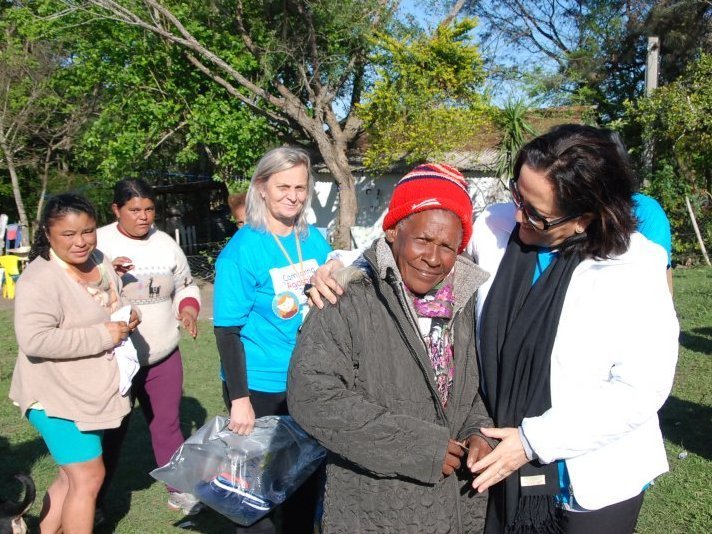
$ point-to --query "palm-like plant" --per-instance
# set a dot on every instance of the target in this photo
(511, 121)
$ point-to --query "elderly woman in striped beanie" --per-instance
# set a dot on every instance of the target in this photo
(387, 379)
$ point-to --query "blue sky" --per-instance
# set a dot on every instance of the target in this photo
(502, 91)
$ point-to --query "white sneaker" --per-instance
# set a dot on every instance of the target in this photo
(185, 502)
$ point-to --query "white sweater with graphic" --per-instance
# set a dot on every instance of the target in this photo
(157, 284)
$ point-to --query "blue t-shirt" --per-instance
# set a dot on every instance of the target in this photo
(258, 289)
(653, 223)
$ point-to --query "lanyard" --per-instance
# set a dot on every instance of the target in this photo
(286, 254)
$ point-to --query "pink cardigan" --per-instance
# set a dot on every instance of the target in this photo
(65, 361)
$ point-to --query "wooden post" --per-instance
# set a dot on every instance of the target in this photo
(697, 231)
(651, 65)
(651, 83)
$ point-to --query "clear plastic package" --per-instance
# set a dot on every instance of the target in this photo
(243, 477)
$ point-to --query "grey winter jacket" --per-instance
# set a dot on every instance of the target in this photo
(361, 382)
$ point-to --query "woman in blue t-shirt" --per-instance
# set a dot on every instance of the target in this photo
(259, 301)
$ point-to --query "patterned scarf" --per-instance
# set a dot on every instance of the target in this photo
(438, 306)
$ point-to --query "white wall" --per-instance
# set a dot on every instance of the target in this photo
(373, 195)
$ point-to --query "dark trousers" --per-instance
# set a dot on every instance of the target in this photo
(158, 389)
(619, 518)
(298, 511)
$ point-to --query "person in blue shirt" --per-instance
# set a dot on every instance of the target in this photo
(259, 303)
(649, 214)
(654, 224)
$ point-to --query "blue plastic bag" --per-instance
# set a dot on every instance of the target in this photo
(243, 477)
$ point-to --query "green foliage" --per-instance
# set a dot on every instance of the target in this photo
(145, 106)
(238, 186)
(678, 118)
(666, 186)
(41, 107)
(158, 112)
(427, 98)
(301, 40)
(593, 52)
(677, 121)
(235, 136)
(516, 131)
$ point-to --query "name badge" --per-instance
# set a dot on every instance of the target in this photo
(534, 480)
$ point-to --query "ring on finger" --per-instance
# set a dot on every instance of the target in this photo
(307, 288)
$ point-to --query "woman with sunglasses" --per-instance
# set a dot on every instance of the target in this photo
(578, 339)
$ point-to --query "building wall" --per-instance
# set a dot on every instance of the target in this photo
(373, 195)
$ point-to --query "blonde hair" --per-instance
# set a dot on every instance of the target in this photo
(236, 200)
(274, 161)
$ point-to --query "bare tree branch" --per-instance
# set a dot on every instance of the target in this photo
(314, 82)
(163, 139)
(232, 90)
(244, 34)
(453, 13)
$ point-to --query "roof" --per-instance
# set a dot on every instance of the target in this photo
(479, 154)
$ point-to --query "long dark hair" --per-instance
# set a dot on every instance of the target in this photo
(591, 175)
(129, 188)
(57, 207)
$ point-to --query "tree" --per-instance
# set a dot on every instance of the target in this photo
(302, 65)
(38, 120)
(24, 77)
(158, 113)
(593, 52)
(516, 131)
(677, 121)
(427, 98)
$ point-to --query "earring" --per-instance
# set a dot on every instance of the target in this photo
(578, 230)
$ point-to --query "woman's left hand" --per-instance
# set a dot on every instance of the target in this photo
(477, 447)
(507, 457)
(189, 319)
(134, 320)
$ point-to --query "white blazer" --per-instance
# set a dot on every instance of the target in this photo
(612, 366)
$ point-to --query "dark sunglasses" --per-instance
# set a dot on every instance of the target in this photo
(537, 221)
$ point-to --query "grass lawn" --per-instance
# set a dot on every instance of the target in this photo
(679, 502)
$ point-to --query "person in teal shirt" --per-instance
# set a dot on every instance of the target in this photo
(259, 304)
(652, 220)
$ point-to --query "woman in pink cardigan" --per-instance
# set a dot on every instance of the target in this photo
(66, 379)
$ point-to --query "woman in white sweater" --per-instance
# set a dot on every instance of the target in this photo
(157, 280)
(578, 339)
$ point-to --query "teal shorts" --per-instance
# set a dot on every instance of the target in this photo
(66, 443)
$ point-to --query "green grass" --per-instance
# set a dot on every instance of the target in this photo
(136, 502)
(679, 502)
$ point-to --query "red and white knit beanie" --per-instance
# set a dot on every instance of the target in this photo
(432, 186)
